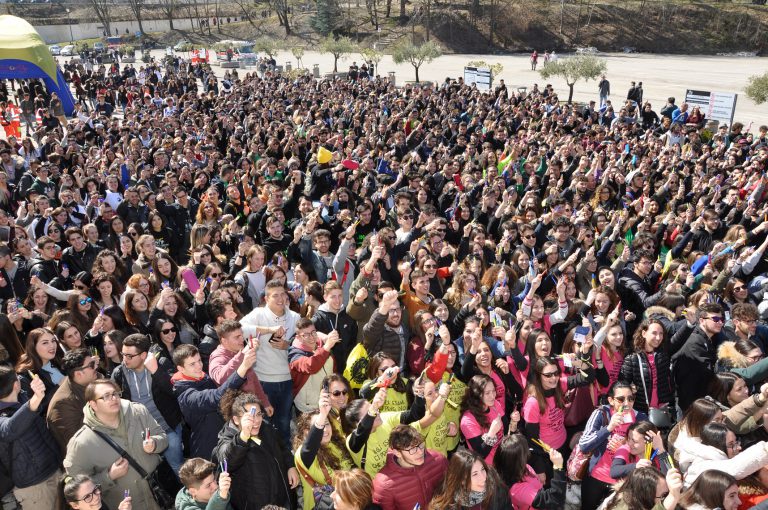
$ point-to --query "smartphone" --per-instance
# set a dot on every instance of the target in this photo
(191, 280)
(326, 386)
(580, 335)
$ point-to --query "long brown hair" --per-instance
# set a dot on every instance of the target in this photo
(638, 340)
(536, 390)
(473, 399)
(638, 491)
(325, 457)
(30, 360)
(455, 488)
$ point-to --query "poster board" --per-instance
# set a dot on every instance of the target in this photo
(719, 106)
(479, 76)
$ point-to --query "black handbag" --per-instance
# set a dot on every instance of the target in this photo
(163, 482)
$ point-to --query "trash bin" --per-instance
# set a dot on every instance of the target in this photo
(316, 71)
(392, 77)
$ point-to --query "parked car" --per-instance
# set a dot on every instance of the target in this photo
(180, 45)
(68, 50)
(55, 50)
(99, 47)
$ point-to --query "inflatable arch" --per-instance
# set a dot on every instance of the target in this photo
(24, 54)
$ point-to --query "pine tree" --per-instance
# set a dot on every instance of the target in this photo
(329, 17)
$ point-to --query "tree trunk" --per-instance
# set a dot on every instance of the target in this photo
(335, 64)
(402, 8)
(417, 72)
(170, 21)
(562, 15)
(429, 18)
(570, 92)
(389, 8)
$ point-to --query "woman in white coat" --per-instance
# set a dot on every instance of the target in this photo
(720, 450)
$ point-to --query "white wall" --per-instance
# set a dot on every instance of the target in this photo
(60, 33)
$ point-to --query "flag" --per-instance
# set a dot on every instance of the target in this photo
(503, 163)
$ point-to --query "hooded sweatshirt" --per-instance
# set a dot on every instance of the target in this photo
(184, 501)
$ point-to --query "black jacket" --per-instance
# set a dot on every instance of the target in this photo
(636, 293)
(630, 373)
(27, 449)
(259, 471)
(694, 367)
(48, 272)
(326, 321)
(207, 345)
(162, 393)
(80, 260)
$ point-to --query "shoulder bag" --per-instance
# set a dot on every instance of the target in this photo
(659, 416)
(163, 482)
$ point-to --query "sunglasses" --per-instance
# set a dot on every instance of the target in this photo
(716, 319)
(549, 375)
(339, 393)
(85, 301)
(738, 289)
(215, 275)
(169, 330)
(529, 236)
(621, 400)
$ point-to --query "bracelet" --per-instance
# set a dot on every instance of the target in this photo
(489, 440)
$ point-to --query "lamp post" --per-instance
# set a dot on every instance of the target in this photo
(71, 38)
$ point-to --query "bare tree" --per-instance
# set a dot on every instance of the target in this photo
(246, 7)
(169, 8)
(102, 8)
(282, 9)
(136, 7)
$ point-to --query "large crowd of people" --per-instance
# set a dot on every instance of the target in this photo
(259, 291)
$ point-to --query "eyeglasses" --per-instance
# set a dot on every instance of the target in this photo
(78, 286)
(131, 356)
(169, 330)
(734, 445)
(85, 301)
(88, 498)
(715, 319)
(110, 396)
(309, 333)
(630, 398)
(413, 450)
(550, 375)
(91, 365)
(339, 393)
(529, 236)
(739, 289)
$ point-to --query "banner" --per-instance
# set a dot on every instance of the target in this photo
(719, 106)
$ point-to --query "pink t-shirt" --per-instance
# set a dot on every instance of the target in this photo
(612, 365)
(470, 428)
(551, 421)
(654, 402)
(523, 493)
(617, 439)
(520, 376)
(500, 392)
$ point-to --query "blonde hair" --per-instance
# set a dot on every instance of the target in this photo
(354, 487)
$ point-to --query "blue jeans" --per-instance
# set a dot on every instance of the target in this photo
(174, 454)
(281, 397)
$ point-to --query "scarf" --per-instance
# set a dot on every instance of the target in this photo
(473, 499)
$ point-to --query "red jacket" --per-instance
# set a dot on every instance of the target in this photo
(399, 488)
(303, 364)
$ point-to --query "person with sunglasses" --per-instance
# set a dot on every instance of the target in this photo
(694, 362)
(605, 432)
(65, 411)
(110, 420)
(82, 493)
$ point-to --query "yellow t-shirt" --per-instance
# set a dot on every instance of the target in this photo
(378, 444)
(316, 473)
(396, 401)
(435, 435)
(452, 410)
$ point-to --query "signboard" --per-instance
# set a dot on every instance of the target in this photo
(719, 106)
(480, 76)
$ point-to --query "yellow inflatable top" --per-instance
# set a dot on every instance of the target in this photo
(19, 40)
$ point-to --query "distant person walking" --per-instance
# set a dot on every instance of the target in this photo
(604, 87)
(534, 60)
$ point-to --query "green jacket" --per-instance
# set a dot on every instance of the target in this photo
(186, 502)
